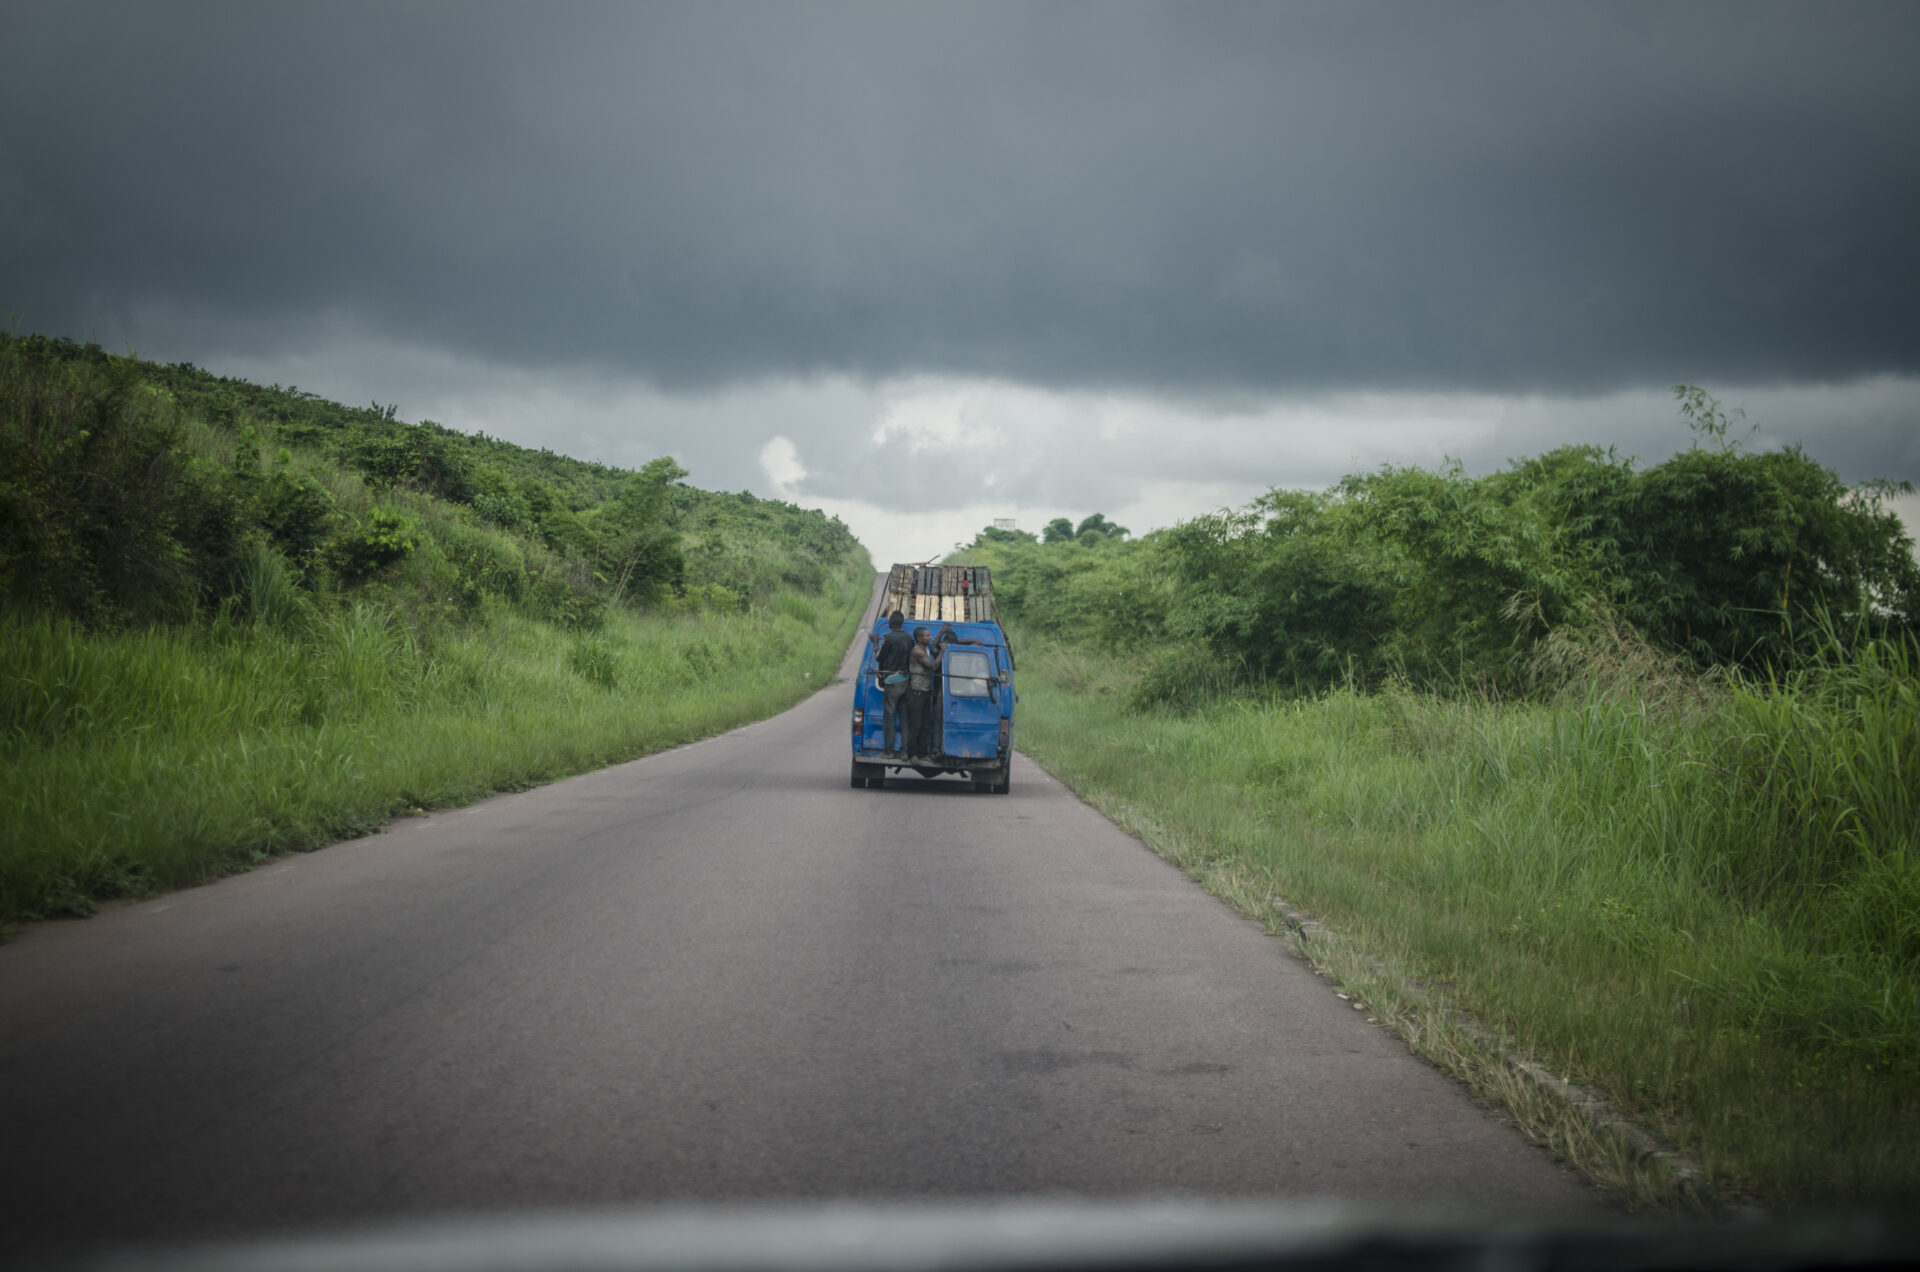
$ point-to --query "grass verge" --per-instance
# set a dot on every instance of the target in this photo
(1702, 909)
(139, 761)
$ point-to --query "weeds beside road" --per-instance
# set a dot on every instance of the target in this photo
(1701, 903)
(139, 761)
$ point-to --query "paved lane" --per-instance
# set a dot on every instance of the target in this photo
(714, 973)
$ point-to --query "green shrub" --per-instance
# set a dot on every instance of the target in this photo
(1183, 676)
(561, 591)
(93, 485)
(484, 563)
(379, 540)
(296, 510)
(1460, 583)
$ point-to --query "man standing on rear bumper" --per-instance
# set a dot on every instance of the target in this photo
(922, 672)
(890, 665)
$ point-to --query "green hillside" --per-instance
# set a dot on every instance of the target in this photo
(135, 491)
(241, 619)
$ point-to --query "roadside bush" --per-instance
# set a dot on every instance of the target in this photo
(1475, 585)
(484, 563)
(713, 598)
(380, 539)
(93, 486)
(1183, 676)
(296, 511)
(560, 590)
(421, 456)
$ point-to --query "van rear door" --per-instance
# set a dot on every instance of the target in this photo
(971, 710)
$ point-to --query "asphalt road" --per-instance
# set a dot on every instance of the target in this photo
(715, 973)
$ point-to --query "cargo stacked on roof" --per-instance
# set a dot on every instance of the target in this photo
(941, 593)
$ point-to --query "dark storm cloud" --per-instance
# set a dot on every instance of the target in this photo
(1185, 198)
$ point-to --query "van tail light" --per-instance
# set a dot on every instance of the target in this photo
(859, 721)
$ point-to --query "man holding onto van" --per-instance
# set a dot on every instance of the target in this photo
(890, 666)
(922, 670)
(948, 638)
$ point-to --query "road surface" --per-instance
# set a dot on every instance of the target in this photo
(715, 973)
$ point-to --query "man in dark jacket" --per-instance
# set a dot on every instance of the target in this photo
(890, 666)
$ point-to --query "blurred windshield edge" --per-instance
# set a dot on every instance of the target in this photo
(1040, 1235)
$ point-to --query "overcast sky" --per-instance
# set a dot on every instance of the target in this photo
(924, 265)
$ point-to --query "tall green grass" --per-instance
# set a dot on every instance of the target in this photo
(141, 760)
(1705, 902)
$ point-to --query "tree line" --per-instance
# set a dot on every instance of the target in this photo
(1721, 556)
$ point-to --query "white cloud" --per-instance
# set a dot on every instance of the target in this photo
(948, 417)
(780, 461)
(1908, 508)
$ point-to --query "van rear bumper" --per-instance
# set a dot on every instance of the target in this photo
(875, 763)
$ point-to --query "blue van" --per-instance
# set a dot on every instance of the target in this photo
(970, 730)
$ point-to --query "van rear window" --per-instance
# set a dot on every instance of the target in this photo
(967, 672)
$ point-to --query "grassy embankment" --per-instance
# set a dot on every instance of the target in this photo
(210, 656)
(1621, 759)
(1701, 899)
(147, 760)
